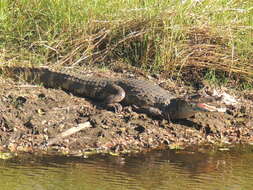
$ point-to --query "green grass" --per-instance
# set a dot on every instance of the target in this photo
(158, 36)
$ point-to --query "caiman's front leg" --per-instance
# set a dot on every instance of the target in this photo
(150, 111)
(113, 95)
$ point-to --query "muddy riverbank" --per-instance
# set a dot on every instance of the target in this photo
(31, 116)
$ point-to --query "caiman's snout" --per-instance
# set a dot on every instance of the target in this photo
(182, 109)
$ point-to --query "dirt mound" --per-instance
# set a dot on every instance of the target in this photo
(32, 115)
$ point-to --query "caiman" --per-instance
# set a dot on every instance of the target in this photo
(143, 95)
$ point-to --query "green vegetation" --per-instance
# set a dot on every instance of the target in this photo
(158, 36)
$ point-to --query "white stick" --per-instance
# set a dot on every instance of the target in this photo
(69, 132)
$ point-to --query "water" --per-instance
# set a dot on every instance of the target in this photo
(170, 170)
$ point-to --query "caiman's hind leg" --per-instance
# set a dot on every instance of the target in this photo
(113, 95)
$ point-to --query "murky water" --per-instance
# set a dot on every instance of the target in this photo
(175, 170)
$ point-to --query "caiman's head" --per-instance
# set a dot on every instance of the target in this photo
(181, 109)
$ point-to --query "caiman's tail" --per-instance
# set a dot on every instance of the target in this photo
(29, 74)
(35, 75)
(98, 89)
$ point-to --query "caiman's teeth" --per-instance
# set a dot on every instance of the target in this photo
(211, 108)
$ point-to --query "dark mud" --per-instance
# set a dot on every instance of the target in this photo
(32, 115)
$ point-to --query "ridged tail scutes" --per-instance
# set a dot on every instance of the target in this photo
(29, 74)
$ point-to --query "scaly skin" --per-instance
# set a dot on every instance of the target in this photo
(145, 96)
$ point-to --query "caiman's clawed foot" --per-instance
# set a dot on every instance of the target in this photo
(117, 107)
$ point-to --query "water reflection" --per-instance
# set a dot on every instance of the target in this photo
(175, 170)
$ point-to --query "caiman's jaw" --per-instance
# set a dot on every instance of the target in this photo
(181, 109)
(202, 107)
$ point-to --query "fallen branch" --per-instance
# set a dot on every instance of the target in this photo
(69, 132)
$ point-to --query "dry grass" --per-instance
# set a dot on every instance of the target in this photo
(155, 36)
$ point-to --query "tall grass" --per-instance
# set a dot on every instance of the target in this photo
(172, 36)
